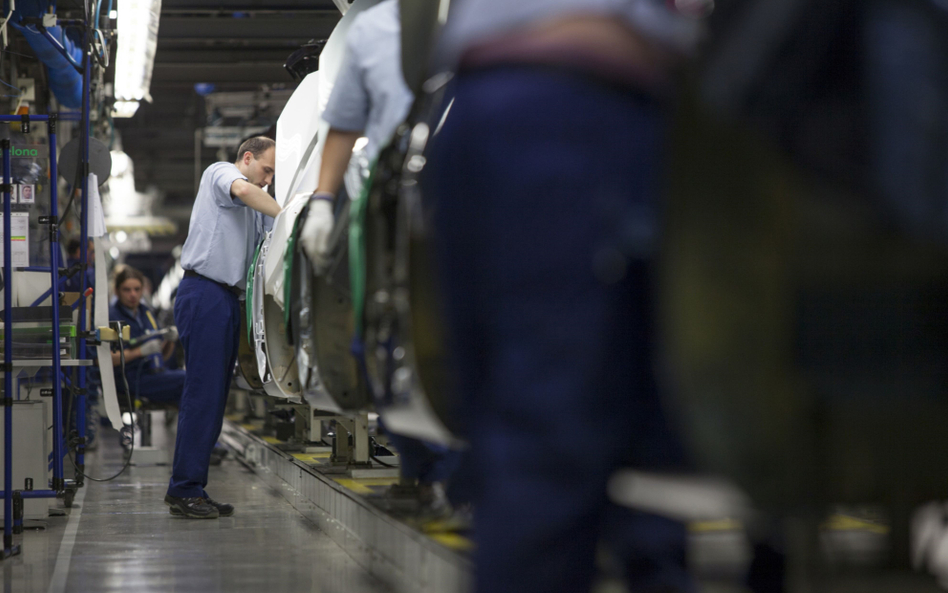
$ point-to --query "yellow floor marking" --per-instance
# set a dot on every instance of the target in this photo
(453, 541)
(353, 485)
(249, 427)
(377, 481)
(312, 457)
(846, 523)
(273, 440)
(235, 417)
(717, 525)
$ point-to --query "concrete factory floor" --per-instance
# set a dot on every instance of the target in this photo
(119, 537)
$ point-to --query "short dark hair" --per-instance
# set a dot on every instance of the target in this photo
(128, 273)
(255, 146)
(74, 244)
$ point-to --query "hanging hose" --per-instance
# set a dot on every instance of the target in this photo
(61, 55)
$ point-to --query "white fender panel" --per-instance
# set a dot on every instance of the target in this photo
(273, 275)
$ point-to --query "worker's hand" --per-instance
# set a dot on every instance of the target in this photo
(150, 347)
(172, 334)
(315, 233)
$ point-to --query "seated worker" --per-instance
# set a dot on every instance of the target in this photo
(145, 367)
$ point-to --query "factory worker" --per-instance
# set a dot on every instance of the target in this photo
(145, 362)
(547, 174)
(227, 222)
(370, 99)
(73, 284)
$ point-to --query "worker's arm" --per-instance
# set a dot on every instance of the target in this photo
(319, 220)
(167, 349)
(254, 197)
(150, 347)
(130, 355)
(336, 154)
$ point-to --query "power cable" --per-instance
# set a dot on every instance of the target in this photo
(131, 425)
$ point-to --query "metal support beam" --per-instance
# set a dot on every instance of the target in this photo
(357, 453)
(317, 24)
(252, 72)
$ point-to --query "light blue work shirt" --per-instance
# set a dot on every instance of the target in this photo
(370, 93)
(473, 22)
(223, 232)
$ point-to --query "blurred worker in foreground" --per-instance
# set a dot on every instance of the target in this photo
(370, 98)
(547, 174)
(145, 363)
(227, 222)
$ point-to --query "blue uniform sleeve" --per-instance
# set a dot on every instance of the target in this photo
(348, 106)
(222, 179)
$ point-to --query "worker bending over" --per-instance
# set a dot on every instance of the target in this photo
(231, 211)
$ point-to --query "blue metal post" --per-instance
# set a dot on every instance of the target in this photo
(7, 359)
(83, 260)
(58, 477)
(37, 494)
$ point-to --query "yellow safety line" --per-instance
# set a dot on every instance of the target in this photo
(716, 525)
(353, 485)
(273, 440)
(453, 541)
(312, 457)
(846, 523)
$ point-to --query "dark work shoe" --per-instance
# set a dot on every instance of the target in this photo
(225, 510)
(193, 508)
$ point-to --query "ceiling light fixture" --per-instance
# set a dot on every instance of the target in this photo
(137, 40)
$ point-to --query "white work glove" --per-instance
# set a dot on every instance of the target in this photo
(172, 334)
(150, 347)
(315, 233)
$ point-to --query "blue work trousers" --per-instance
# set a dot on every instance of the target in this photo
(163, 387)
(208, 320)
(546, 188)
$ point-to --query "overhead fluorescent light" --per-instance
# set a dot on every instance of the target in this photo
(137, 40)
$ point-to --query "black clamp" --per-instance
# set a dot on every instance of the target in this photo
(92, 339)
(8, 402)
(6, 188)
(25, 123)
(52, 123)
(46, 392)
(5, 144)
(6, 367)
(28, 485)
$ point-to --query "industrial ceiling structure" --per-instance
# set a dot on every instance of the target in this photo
(224, 45)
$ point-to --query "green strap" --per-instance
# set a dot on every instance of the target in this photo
(357, 249)
(289, 254)
(249, 297)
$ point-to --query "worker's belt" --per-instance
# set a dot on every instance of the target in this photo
(227, 287)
